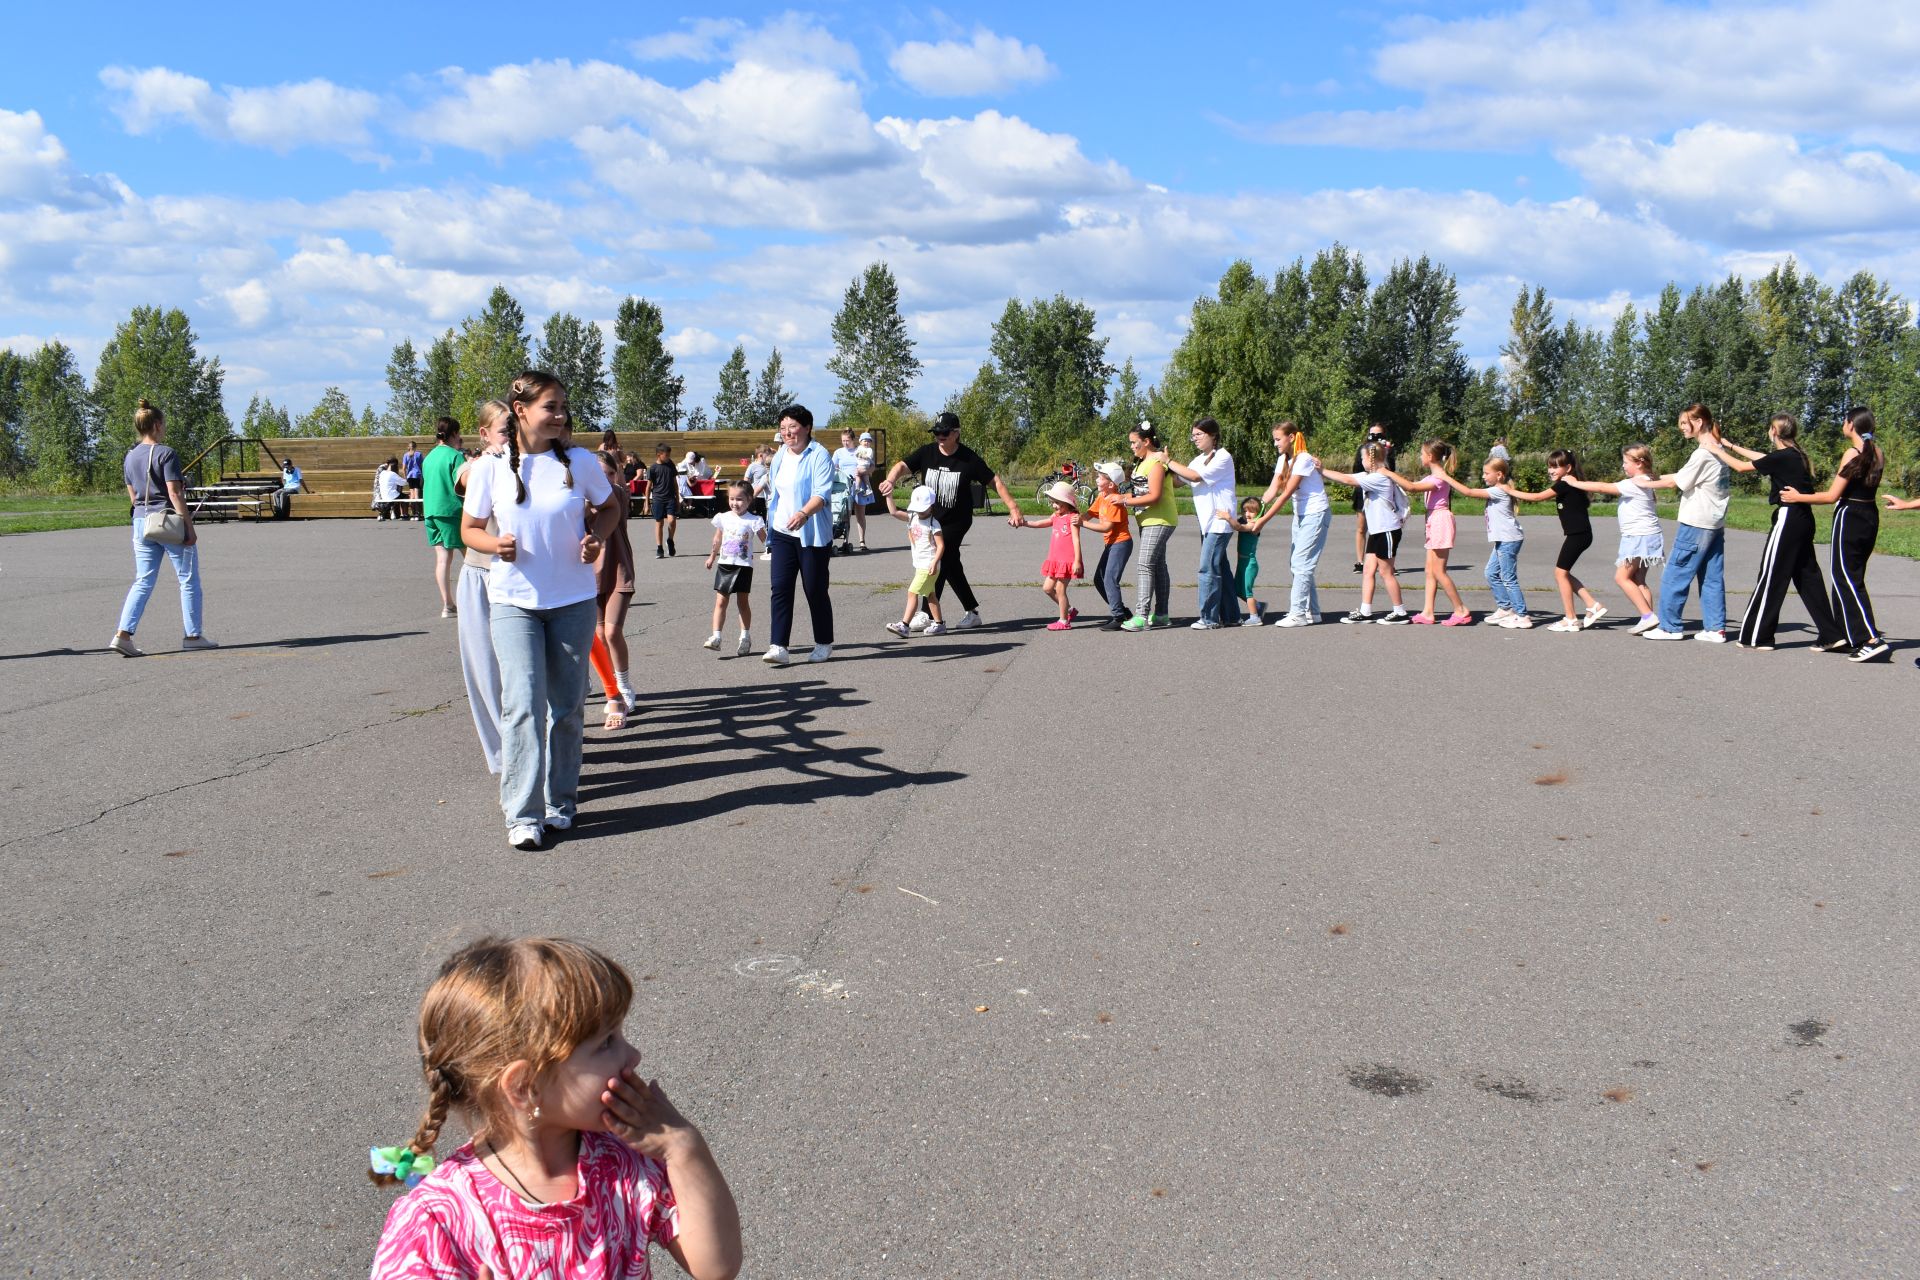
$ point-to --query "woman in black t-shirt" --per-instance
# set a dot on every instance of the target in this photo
(1789, 557)
(1576, 530)
(1856, 527)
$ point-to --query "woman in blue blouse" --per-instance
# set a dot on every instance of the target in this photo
(799, 534)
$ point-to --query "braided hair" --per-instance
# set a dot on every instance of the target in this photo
(526, 389)
(443, 1095)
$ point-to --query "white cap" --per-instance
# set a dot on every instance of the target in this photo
(866, 436)
(921, 499)
(1112, 471)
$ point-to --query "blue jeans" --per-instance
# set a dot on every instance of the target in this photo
(1107, 576)
(1217, 602)
(809, 565)
(146, 571)
(1503, 575)
(543, 685)
(1309, 539)
(1702, 554)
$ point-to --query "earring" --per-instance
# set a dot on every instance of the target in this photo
(536, 1113)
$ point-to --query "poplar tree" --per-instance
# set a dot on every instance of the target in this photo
(733, 402)
(873, 355)
(646, 391)
(573, 351)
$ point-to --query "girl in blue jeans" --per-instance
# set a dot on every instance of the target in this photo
(1296, 476)
(1506, 535)
(551, 505)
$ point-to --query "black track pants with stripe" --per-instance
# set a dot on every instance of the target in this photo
(1789, 560)
(1856, 526)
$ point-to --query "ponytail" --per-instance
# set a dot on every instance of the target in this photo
(1869, 462)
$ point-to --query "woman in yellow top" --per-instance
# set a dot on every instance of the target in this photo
(1152, 500)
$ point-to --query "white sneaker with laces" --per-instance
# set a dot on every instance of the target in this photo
(558, 822)
(821, 652)
(740, 650)
(1499, 615)
(526, 836)
(775, 656)
(712, 642)
(198, 642)
(125, 647)
(935, 629)
(1657, 634)
(1203, 625)
(1646, 624)
(1517, 622)
(919, 622)
(968, 620)
(1711, 637)
(1253, 620)
(1294, 620)
(899, 629)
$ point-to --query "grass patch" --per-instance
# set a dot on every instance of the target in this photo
(21, 513)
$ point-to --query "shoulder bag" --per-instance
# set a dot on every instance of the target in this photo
(165, 525)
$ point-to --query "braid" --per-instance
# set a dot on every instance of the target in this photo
(513, 460)
(564, 457)
(442, 1092)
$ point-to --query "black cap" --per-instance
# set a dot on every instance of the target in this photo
(945, 423)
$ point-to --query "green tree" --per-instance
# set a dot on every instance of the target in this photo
(153, 354)
(986, 410)
(12, 448)
(1664, 368)
(436, 377)
(697, 420)
(574, 352)
(53, 418)
(1053, 369)
(1324, 389)
(770, 394)
(1532, 358)
(332, 415)
(1411, 350)
(873, 355)
(1128, 406)
(646, 391)
(733, 402)
(407, 409)
(489, 353)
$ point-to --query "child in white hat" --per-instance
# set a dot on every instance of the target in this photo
(1063, 562)
(926, 544)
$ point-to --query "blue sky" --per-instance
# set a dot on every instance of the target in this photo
(312, 191)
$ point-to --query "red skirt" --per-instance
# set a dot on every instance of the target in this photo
(1060, 569)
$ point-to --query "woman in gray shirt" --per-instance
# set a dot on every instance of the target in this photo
(155, 483)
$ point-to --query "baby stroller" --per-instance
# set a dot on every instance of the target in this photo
(841, 504)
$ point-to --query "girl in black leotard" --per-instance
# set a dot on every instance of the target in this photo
(1856, 525)
(1790, 558)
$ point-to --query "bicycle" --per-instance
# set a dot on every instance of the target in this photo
(1077, 477)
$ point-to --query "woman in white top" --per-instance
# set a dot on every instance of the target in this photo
(1296, 475)
(552, 509)
(1211, 478)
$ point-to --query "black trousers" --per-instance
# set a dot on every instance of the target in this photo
(1788, 560)
(952, 571)
(809, 565)
(1856, 527)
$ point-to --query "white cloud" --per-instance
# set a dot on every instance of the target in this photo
(692, 341)
(700, 40)
(1558, 73)
(988, 64)
(282, 117)
(251, 303)
(1735, 184)
(34, 167)
(515, 107)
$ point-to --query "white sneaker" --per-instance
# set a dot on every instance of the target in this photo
(1252, 620)
(900, 629)
(919, 621)
(775, 656)
(1593, 616)
(1517, 622)
(445, 611)
(558, 822)
(1645, 625)
(526, 836)
(1203, 625)
(766, 555)
(712, 642)
(968, 620)
(198, 642)
(125, 647)
(821, 652)
(1711, 637)
(1655, 633)
(740, 650)
(935, 629)
(1499, 615)
(1294, 620)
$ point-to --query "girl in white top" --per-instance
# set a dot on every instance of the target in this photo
(1296, 475)
(1640, 537)
(1386, 515)
(478, 667)
(552, 507)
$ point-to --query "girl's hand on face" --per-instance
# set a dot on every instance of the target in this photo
(640, 1114)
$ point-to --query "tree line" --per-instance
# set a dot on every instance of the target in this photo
(1321, 342)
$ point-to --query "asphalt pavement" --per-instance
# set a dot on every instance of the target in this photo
(1342, 951)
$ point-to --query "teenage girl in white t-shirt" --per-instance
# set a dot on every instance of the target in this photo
(552, 507)
(1296, 476)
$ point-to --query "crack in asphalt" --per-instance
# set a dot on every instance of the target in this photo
(251, 764)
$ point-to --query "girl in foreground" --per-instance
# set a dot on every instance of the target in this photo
(577, 1164)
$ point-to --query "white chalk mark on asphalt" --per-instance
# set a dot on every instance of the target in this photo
(911, 894)
(774, 966)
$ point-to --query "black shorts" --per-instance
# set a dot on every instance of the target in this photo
(1572, 549)
(733, 579)
(663, 505)
(1385, 545)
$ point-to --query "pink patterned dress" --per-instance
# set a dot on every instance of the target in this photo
(461, 1219)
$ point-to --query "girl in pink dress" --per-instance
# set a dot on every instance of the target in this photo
(1063, 552)
(1437, 455)
(577, 1165)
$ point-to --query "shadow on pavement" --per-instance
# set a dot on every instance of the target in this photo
(296, 642)
(720, 738)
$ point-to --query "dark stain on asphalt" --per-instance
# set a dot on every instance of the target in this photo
(387, 875)
(1510, 1087)
(1386, 1081)
(1809, 1032)
(177, 853)
(1550, 779)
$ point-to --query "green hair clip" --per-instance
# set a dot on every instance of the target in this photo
(401, 1163)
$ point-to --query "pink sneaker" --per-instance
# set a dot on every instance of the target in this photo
(1059, 624)
(1072, 614)
(1459, 620)
(1422, 619)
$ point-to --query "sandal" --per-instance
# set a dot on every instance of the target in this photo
(616, 713)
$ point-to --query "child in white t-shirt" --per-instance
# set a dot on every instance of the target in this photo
(733, 533)
(926, 543)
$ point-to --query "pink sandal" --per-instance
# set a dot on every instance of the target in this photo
(1422, 619)
(1059, 624)
(1459, 620)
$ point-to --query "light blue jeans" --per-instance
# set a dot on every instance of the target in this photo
(1503, 575)
(1217, 602)
(146, 571)
(1702, 554)
(543, 689)
(1309, 539)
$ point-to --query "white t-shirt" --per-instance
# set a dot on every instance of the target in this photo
(1637, 514)
(1213, 491)
(387, 486)
(1384, 503)
(920, 533)
(1705, 485)
(736, 537)
(546, 571)
(1310, 495)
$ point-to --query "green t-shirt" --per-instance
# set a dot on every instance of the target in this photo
(1163, 512)
(437, 498)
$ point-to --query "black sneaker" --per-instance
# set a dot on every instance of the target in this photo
(671, 549)
(659, 553)
(1357, 616)
(1111, 624)
(1396, 618)
(1872, 651)
(1359, 567)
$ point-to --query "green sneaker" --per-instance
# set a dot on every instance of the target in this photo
(1138, 622)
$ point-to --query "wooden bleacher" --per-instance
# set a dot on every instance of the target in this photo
(337, 471)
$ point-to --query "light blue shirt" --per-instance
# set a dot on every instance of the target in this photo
(794, 481)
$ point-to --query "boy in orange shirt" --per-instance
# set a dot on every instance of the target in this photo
(1109, 519)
